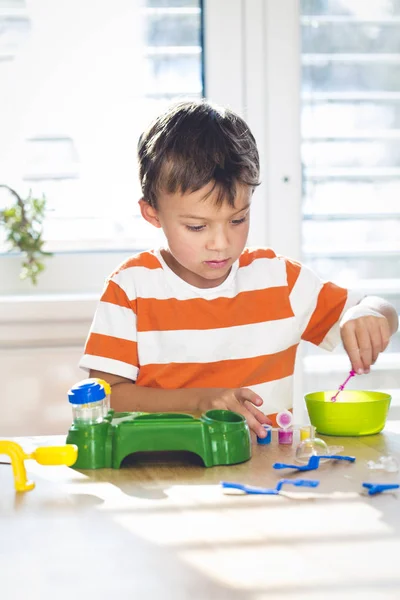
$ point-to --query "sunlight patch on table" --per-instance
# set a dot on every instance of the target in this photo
(114, 499)
(273, 568)
(269, 521)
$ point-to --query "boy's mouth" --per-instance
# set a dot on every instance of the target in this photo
(217, 264)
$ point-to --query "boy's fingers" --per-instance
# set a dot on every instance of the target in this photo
(246, 394)
(351, 346)
(261, 418)
(364, 345)
(376, 342)
(364, 340)
(255, 418)
(253, 422)
(385, 333)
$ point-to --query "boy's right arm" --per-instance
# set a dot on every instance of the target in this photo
(127, 396)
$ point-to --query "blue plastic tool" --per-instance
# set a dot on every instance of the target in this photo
(250, 489)
(313, 462)
(378, 488)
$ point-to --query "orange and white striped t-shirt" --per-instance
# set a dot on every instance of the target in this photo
(158, 330)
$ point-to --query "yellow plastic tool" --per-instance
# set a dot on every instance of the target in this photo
(44, 455)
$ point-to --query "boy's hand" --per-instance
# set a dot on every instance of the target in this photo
(365, 333)
(240, 400)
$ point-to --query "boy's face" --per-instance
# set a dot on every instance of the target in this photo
(203, 239)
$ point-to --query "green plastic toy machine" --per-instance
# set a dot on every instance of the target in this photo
(104, 438)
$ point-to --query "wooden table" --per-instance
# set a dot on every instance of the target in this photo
(162, 529)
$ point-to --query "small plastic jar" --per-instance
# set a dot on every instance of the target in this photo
(267, 439)
(88, 401)
(285, 432)
(307, 432)
(107, 389)
(285, 436)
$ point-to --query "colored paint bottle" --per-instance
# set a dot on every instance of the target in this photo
(285, 436)
(267, 439)
(285, 432)
(307, 432)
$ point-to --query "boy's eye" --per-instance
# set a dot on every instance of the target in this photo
(195, 227)
(238, 221)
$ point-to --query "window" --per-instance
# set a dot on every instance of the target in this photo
(80, 80)
(136, 56)
(351, 162)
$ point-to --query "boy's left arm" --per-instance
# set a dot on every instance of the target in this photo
(366, 329)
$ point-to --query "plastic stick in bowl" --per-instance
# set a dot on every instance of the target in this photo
(341, 387)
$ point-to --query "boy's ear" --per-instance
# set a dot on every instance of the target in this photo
(149, 213)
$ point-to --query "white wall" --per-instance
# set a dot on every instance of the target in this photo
(34, 386)
(41, 342)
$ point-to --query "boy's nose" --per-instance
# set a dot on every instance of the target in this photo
(218, 240)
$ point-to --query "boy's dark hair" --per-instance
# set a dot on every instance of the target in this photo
(192, 144)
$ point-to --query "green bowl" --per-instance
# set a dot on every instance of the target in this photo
(354, 412)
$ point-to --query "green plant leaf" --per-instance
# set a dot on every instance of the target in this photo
(23, 224)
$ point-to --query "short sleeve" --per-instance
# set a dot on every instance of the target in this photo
(317, 305)
(111, 345)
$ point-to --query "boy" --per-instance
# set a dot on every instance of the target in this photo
(205, 323)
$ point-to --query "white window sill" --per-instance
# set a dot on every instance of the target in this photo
(49, 320)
